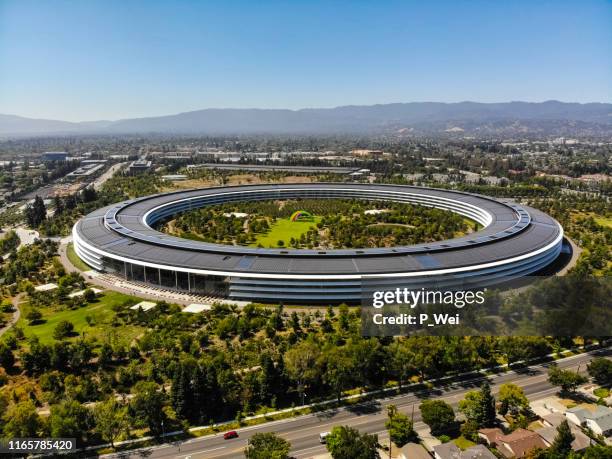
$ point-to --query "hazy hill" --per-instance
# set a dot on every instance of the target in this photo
(423, 116)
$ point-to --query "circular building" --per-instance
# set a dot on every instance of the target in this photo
(515, 241)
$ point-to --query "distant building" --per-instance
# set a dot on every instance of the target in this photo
(174, 177)
(85, 171)
(54, 156)
(368, 153)
(139, 166)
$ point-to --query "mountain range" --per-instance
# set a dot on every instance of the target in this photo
(415, 117)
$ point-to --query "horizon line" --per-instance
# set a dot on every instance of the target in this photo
(99, 120)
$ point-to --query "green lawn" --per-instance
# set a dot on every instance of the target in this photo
(463, 442)
(601, 392)
(604, 221)
(284, 229)
(100, 311)
(74, 258)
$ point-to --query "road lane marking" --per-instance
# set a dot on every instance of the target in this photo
(190, 453)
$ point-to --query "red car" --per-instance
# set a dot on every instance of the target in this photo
(229, 435)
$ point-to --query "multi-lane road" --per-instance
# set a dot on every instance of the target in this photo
(303, 432)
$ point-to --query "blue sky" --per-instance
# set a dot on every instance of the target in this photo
(88, 60)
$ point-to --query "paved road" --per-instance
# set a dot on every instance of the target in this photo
(97, 183)
(303, 432)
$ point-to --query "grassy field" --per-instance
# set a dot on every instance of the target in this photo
(284, 229)
(100, 313)
(74, 258)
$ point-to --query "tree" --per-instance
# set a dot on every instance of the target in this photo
(438, 415)
(147, 405)
(36, 212)
(339, 368)
(111, 419)
(512, 399)
(600, 369)
(401, 360)
(566, 379)
(69, 419)
(33, 316)
(267, 446)
(400, 427)
(344, 442)
(179, 391)
(598, 452)
(300, 363)
(22, 421)
(562, 445)
(63, 329)
(89, 295)
(479, 406)
(7, 359)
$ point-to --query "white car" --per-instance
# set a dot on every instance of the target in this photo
(323, 437)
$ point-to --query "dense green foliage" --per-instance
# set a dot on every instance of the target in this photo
(347, 443)
(438, 415)
(600, 369)
(267, 446)
(479, 406)
(400, 427)
(567, 380)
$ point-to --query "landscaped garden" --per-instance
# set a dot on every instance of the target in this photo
(318, 224)
(93, 319)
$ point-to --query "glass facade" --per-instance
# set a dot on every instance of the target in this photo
(176, 280)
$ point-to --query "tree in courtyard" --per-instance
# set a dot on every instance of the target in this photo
(562, 445)
(438, 415)
(512, 399)
(267, 446)
(344, 442)
(400, 427)
(111, 419)
(567, 380)
(479, 406)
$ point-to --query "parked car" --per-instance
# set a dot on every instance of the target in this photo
(323, 437)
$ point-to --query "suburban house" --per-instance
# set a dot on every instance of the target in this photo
(549, 431)
(595, 417)
(514, 445)
(452, 451)
(580, 443)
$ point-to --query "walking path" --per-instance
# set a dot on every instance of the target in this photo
(16, 314)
